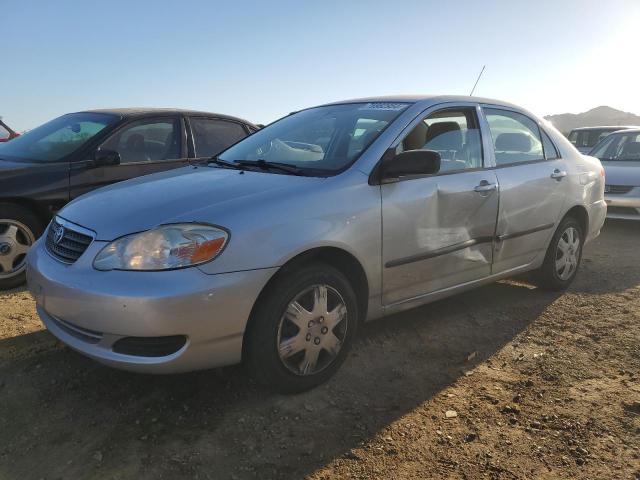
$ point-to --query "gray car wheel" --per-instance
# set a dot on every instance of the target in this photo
(302, 328)
(19, 229)
(562, 258)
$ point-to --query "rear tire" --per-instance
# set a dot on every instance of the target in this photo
(563, 257)
(19, 229)
(302, 328)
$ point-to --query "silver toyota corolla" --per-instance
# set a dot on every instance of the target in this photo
(620, 154)
(275, 251)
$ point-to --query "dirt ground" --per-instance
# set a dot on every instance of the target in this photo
(537, 385)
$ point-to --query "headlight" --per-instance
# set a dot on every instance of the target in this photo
(169, 246)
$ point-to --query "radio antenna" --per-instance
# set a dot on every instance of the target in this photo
(477, 80)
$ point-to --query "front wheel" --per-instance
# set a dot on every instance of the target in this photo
(302, 329)
(563, 257)
(19, 229)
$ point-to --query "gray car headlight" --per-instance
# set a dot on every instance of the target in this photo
(167, 247)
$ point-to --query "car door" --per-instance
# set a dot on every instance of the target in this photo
(438, 229)
(210, 136)
(145, 146)
(533, 187)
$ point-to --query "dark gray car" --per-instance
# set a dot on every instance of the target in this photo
(48, 166)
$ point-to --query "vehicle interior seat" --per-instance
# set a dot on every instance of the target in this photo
(416, 139)
(172, 147)
(446, 138)
(358, 145)
(134, 149)
(511, 147)
(630, 151)
(472, 149)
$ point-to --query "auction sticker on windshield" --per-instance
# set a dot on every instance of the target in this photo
(384, 106)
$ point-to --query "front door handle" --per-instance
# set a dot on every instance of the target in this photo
(558, 174)
(485, 186)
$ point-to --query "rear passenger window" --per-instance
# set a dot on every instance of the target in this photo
(516, 138)
(454, 134)
(211, 136)
(550, 150)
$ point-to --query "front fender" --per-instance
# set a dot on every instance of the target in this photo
(343, 213)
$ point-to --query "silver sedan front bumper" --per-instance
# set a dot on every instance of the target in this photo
(624, 206)
(91, 311)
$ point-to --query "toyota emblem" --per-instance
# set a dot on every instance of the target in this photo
(58, 235)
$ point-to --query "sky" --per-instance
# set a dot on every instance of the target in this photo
(260, 60)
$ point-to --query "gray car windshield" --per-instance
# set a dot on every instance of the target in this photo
(56, 139)
(318, 141)
(619, 147)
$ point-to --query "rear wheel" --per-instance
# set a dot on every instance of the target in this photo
(563, 257)
(19, 229)
(302, 329)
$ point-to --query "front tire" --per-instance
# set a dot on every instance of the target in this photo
(302, 328)
(562, 258)
(19, 229)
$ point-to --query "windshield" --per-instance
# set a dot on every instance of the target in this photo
(56, 139)
(619, 147)
(318, 141)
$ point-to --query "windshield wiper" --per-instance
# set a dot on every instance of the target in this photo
(265, 165)
(223, 163)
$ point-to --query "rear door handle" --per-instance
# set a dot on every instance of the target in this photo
(485, 186)
(558, 174)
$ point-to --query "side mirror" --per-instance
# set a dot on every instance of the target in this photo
(105, 158)
(410, 162)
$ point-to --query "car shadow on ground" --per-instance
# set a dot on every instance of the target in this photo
(80, 419)
(612, 258)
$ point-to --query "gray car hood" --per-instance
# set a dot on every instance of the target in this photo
(622, 173)
(184, 195)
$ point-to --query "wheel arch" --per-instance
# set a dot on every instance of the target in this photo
(340, 259)
(579, 212)
(41, 211)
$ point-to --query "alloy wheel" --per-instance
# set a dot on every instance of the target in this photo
(312, 330)
(15, 240)
(567, 253)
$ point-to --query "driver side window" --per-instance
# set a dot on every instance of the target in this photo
(453, 133)
(148, 140)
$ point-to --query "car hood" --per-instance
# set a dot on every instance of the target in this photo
(190, 194)
(622, 173)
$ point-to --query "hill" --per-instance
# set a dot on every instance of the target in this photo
(565, 122)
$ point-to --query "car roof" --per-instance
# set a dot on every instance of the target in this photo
(428, 100)
(606, 127)
(134, 112)
(627, 130)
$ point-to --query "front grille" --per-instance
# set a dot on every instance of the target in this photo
(617, 189)
(65, 242)
(84, 334)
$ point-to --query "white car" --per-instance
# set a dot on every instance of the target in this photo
(620, 156)
(585, 138)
